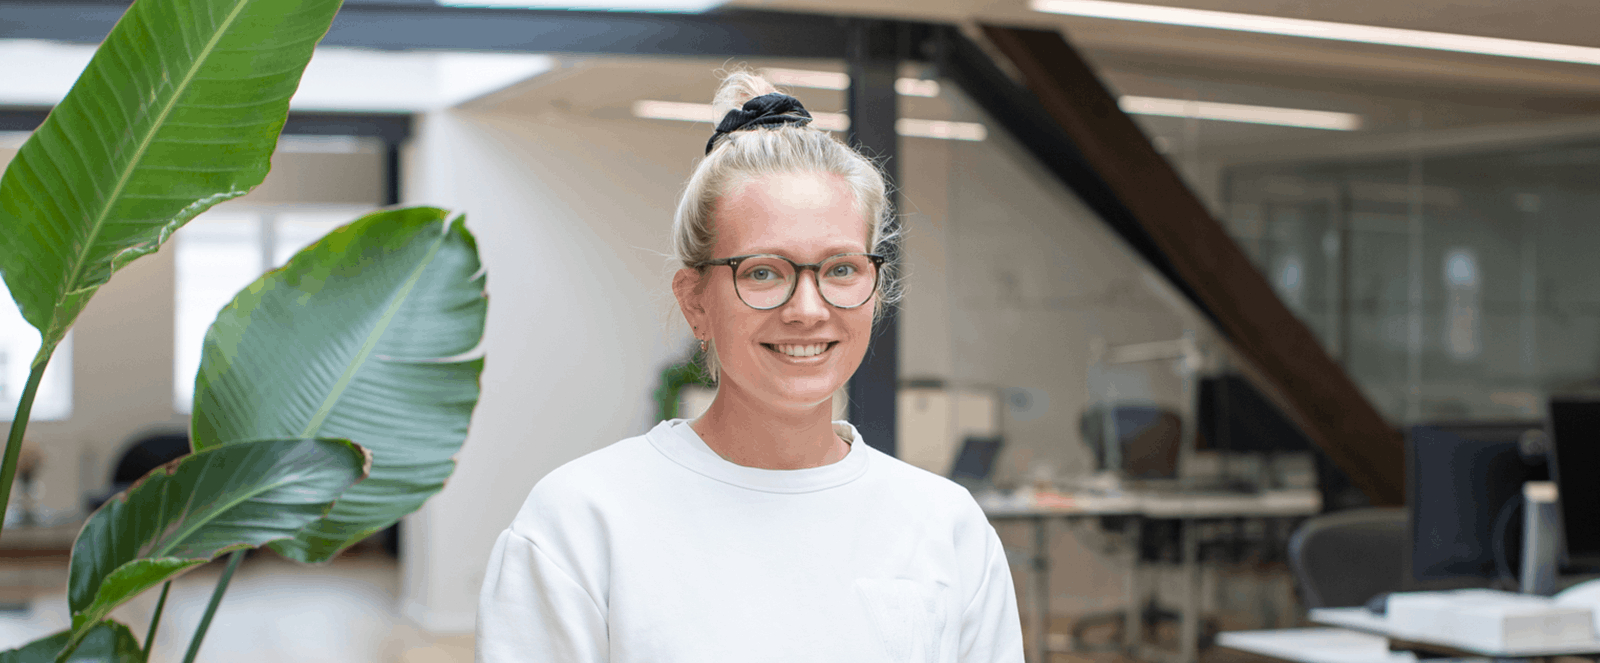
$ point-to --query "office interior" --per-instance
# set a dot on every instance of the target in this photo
(1424, 213)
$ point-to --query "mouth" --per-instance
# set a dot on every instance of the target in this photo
(809, 351)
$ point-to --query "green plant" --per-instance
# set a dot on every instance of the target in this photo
(674, 378)
(179, 109)
(332, 392)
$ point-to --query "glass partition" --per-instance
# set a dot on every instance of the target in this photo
(1451, 286)
(1437, 245)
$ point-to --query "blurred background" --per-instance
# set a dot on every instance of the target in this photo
(1416, 185)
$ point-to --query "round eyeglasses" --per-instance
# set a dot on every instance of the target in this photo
(766, 281)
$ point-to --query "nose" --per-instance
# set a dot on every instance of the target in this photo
(807, 303)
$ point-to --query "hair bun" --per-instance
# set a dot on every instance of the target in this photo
(767, 110)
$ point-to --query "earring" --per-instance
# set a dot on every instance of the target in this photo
(702, 345)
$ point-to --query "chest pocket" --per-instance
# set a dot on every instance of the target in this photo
(908, 616)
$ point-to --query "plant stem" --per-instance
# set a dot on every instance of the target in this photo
(155, 620)
(211, 608)
(19, 425)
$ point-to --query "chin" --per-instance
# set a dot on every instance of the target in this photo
(807, 396)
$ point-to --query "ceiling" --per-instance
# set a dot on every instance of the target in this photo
(1462, 98)
(1394, 89)
(1143, 46)
(1558, 21)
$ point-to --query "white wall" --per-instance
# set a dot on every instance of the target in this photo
(572, 216)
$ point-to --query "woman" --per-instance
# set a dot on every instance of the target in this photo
(761, 531)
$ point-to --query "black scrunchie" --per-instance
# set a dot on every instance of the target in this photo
(767, 110)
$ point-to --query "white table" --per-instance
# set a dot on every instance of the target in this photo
(1361, 619)
(1316, 645)
(1163, 505)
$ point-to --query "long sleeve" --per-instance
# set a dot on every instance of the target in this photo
(532, 610)
(991, 631)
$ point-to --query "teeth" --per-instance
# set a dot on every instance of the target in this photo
(802, 350)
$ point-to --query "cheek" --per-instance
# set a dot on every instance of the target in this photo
(730, 324)
(859, 322)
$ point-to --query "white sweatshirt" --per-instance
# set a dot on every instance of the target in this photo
(656, 550)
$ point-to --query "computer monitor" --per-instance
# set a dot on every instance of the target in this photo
(1575, 464)
(1235, 416)
(1147, 439)
(1462, 487)
(975, 463)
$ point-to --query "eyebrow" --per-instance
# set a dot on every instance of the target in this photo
(827, 253)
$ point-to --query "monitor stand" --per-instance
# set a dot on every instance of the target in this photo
(1540, 538)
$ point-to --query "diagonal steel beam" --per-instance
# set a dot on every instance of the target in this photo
(1202, 256)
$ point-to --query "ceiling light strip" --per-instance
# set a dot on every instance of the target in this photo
(940, 129)
(1210, 110)
(689, 112)
(1299, 27)
(833, 80)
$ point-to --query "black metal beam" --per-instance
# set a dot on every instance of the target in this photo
(22, 119)
(63, 20)
(391, 128)
(873, 108)
(721, 34)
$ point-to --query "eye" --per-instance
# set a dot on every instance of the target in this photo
(842, 269)
(760, 274)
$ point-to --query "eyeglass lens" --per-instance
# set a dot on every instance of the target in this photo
(845, 281)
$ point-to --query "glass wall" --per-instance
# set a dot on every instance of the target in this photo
(1438, 245)
(1451, 286)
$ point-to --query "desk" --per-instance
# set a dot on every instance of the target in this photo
(1187, 507)
(1082, 507)
(1360, 619)
(1316, 645)
(39, 540)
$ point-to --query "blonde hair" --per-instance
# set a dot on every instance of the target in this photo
(742, 156)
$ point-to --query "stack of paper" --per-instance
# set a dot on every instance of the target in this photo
(1488, 620)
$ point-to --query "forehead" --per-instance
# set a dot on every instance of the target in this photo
(799, 215)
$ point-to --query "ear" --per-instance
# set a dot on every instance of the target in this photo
(686, 287)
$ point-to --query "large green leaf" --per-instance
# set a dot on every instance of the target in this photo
(179, 109)
(107, 642)
(189, 511)
(358, 337)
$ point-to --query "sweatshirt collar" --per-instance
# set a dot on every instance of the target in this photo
(676, 440)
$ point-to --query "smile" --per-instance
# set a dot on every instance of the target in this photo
(801, 351)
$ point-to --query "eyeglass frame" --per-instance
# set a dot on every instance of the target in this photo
(816, 272)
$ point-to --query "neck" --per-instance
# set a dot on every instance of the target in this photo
(752, 435)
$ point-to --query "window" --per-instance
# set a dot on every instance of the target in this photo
(19, 342)
(1461, 303)
(224, 250)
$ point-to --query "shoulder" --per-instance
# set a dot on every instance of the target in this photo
(937, 496)
(579, 489)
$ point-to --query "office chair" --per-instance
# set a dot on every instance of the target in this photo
(145, 453)
(1344, 559)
